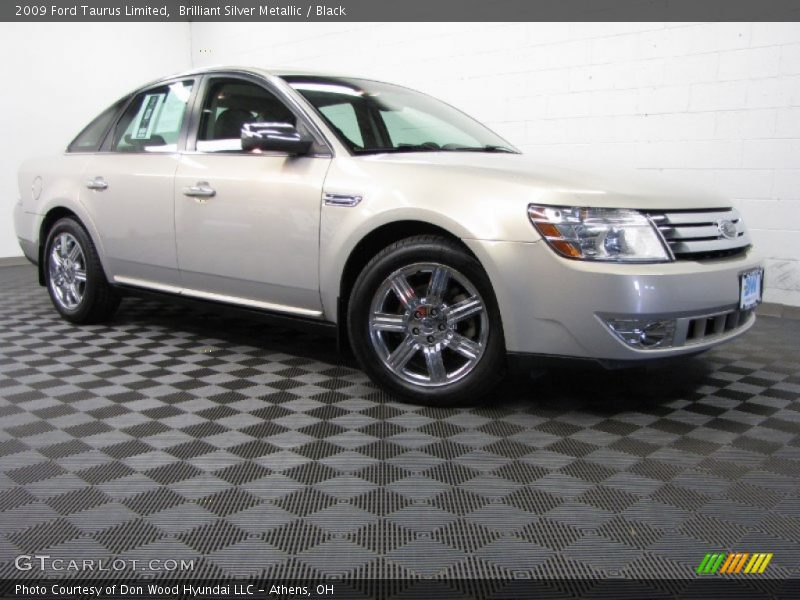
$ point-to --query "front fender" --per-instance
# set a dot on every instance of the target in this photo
(338, 242)
(459, 204)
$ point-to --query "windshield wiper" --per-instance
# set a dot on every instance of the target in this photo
(431, 148)
(487, 148)
(398, 149)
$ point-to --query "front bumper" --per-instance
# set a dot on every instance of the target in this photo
(557, 307)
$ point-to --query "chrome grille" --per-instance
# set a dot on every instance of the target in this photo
(699, 234)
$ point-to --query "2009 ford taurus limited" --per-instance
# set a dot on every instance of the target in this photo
(438, 251)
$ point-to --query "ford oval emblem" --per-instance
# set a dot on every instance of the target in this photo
(728, 229)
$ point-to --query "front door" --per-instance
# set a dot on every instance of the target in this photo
(247, 223)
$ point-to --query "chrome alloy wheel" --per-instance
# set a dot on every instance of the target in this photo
(67, 270)
(428, 324)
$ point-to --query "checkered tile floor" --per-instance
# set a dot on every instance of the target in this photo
(256, 450)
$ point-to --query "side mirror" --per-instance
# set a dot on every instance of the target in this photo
(274, 137)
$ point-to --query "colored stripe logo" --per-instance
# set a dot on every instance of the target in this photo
(734, 563)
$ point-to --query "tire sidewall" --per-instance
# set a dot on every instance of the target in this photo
(70, 226)
(469, 388)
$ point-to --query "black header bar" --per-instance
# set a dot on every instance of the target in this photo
(400, 10)
(711, 586)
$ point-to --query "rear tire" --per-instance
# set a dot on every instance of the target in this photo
(74, 276)
(424, 323)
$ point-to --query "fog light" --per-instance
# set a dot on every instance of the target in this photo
(643, 333)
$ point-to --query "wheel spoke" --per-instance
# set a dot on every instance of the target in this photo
(402, 354)
(387, 322)
(56, 258)
(404, 291)
(464, 346)
(62, 244)
(74, 253)
(465, 309)
(73, 292)
(80, 275)
(435, 364)
(437, 285)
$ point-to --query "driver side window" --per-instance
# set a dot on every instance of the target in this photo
(228, 106)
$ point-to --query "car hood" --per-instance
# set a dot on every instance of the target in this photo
(551, 181)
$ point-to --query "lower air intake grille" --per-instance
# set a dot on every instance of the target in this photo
(702, 234)
(703, 328)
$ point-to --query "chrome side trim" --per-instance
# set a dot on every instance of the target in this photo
(144, 283)
(251, 303)
(348, 200)
(225, 299)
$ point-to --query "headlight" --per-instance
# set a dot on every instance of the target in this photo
(602, 234)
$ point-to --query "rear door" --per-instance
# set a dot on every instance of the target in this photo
(247, 223)
(128, 188)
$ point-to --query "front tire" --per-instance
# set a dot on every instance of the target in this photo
(424, 324)
(74, 276)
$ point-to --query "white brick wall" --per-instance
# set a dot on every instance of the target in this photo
(717, 104)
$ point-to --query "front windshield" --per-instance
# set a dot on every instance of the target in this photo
(373, 117)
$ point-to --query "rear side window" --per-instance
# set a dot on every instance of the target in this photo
(152, 122)
(92, 136)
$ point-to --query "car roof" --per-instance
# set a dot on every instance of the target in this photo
(267, 71)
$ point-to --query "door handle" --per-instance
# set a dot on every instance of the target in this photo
(98, 183)
(199, 190)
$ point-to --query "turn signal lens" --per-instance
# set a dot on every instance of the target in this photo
(566, 248)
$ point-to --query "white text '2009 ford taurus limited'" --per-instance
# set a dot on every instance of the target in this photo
(435, 249)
